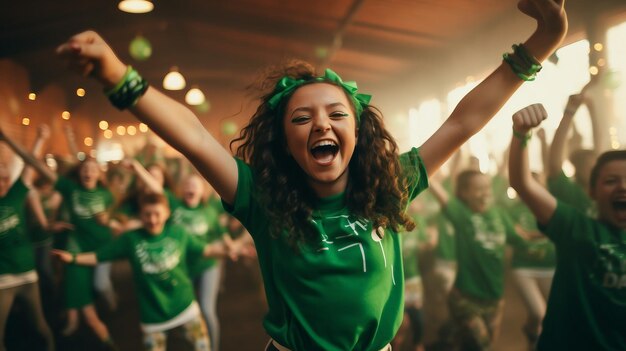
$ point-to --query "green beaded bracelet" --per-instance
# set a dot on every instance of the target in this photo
(524, 138)
(523, 64)
(127, 92)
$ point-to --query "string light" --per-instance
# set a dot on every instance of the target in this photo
(25, 121)
(65, 115)
(88, 141)
(143, 127)
(103, 125)
(108, 134)
(131, 130)
(80, 92)
(32, 96)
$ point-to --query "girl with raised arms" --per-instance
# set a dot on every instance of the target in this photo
(319, 184)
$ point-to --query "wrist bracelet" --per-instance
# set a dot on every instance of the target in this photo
(524, 138)
(523, 64)
(127, 92)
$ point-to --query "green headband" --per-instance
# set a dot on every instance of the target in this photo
(287, 85)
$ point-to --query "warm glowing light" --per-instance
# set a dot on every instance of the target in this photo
(121, 130)
(593, 70)
(25, 121)
(103, 125)
(80, 92)
(601, 62)
(135, 6)
(615, 145)
(93, 153)
(511, 193)
(598, 46)
(131, 130)
(88, 141)
(143, 127)
(32, 96)
(174, 80)
(194, 97)
(66, 115)
(612, 131)
(108, 134)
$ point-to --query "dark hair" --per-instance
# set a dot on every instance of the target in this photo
(375, 190)
(603, 159)
(74, 172)
(463, 179)
(152, 199)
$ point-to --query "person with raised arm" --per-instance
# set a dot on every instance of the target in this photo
(319, 183)
(587, 304)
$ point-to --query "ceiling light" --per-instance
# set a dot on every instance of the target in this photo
(174, 80)
(194, 96)
(135, 6)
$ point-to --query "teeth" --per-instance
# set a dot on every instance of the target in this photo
(325, 143)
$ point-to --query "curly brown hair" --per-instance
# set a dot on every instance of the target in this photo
(375, 190)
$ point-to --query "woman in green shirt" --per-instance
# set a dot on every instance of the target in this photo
(318, 183)
(587, 304)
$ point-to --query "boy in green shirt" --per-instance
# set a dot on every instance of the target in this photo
(587, 304)
(158, 254)
(482, 230)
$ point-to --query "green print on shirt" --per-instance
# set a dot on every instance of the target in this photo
(348, 241)
(490, 235)
(86, 204)
(610, 268)
(8, 220)
(158, 257)
(194, 223)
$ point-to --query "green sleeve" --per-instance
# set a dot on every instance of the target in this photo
(454, 211)
(414, 170)
(117, 249)
(561, 228)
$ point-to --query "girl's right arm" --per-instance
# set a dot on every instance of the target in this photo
(537, 198)
(557, 149)
(89, 54)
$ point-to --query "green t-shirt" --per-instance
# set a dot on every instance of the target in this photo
(202, 222)
(159, 264)
(587, 304)
(537, 253)
(83, 206)
(446, 242)
(570, 192)
(344, 292)
(16, 254)
(410, 248)
(480, 244)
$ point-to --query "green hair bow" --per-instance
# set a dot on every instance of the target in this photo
(286, 86)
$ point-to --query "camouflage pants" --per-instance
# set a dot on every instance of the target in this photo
(475, 323)
(194, 331)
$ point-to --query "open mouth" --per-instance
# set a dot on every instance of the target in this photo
(324, 151)
(619, 206)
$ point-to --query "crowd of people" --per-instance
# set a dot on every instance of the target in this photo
(332, 214)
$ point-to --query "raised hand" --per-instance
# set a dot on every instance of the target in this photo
(528, 118)
(550, 14)
(88, 54)
(573, 103)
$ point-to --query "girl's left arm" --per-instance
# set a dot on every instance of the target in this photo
(482, 103)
